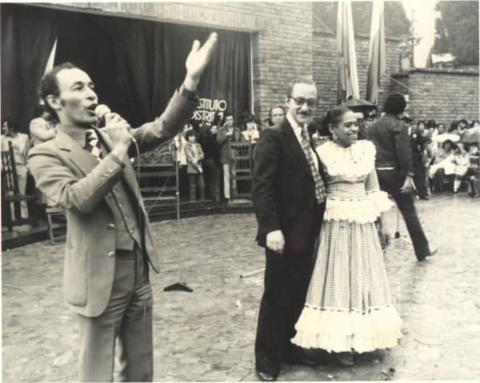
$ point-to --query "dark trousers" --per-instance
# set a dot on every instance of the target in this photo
(128, 320)
(196, 181)
(212, 178)
(287, 277)
(391, 182)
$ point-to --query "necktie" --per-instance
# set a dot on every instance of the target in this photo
(92, 144)
(319, 186)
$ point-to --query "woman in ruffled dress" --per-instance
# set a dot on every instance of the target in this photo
(349, 305)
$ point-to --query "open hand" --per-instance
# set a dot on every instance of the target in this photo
(197, 61)
(408, 185)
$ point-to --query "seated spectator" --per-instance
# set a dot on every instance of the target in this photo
(195, 156)
(440, 129)
(461, 161)
(454, 128)
(462, 126)
(42, 128)
(250, 131)
(442, 165)
(431, 128)
(473, 172)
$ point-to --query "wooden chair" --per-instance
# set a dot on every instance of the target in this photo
(11, 194)
(54, 211)
(241, 171)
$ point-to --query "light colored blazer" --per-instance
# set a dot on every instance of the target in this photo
(76, 181)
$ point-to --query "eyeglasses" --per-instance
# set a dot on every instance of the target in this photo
(311, 102)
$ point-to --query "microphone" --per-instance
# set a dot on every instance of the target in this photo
(101, 112)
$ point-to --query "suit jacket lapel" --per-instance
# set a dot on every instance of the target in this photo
(83, 160)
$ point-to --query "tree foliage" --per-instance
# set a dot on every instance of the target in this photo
(456, 30)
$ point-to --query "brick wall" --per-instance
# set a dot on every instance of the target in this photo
(443, 95)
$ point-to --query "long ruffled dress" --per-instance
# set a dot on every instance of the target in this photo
(349, 305)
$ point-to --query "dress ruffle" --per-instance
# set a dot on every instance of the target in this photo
(355, 161)
(341, 330)
(380, 200)
(357, 210)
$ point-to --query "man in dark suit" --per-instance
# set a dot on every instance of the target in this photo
(109, 246)
(289, 202)
(394, 165)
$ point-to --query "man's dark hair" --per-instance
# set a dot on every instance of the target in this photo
(300, 80)
(431, 124)
(49, 86)
(395, 104)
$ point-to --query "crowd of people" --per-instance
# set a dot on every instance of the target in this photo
(205, 156)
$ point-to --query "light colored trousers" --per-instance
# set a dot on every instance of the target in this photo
(128, 320)
(226, 181)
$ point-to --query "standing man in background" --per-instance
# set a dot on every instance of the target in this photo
(394, 167)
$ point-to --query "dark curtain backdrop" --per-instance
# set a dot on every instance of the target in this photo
(28, 35)
(136, 64)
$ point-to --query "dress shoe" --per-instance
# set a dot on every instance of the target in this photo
(298, 355)
(429, 254)
(266, 376)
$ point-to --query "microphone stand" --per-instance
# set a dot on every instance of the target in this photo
(178, 286)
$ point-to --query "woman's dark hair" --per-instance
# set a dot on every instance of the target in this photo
(191, 133)
(453, 126)
(395, 104)
(421, 122)
(332, 118)
(452, 144)
(431, 124)
(49, 86)
(279, 106)
(12, 125)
